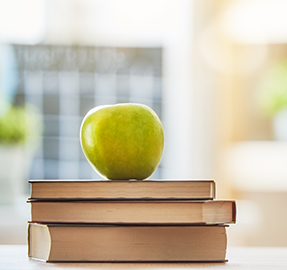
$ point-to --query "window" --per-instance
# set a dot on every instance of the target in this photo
(65, 82)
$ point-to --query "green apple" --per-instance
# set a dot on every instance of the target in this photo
(122, 141)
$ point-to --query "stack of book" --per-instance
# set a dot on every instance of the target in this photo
(150, 220)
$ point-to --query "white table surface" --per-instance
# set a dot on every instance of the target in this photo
(15, 257)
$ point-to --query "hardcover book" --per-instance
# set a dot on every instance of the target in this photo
(101, 189)
(79, 243)
(134, 212)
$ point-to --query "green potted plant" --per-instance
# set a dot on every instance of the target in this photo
(273, 98)
(20, 128)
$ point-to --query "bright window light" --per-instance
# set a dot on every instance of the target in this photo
(22, 22)
(256, 21)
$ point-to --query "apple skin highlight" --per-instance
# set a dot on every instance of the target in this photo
(122, 141)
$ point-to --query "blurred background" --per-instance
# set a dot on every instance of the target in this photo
(215, 71)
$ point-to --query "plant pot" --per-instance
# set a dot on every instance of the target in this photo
(280, 125)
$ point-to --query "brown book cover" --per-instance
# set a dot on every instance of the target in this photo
(130, 189)
(134, 212)
(79, 243)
